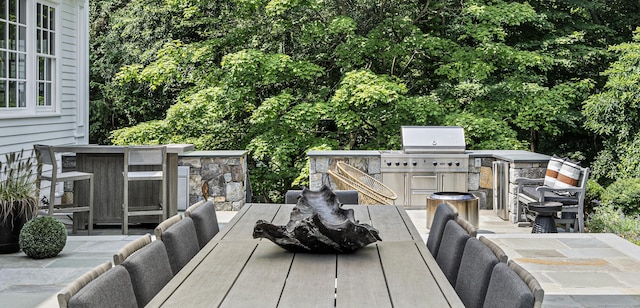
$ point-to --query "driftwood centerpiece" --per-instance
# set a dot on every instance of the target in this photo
(319, 224)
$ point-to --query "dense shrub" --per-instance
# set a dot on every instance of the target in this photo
(43, 237)
(624, 194)
(593, 195)
(607, 219)
(594, 191)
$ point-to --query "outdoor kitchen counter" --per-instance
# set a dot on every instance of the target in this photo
(106, 162)
(512, 156)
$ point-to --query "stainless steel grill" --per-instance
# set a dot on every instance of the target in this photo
(432, 159)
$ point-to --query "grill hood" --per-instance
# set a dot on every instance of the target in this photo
(433, 139)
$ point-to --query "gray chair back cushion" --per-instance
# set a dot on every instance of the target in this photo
(111, 289)
(475, 271)
(344, 196)
(150, 271)
(443, 214)
(507, 289)
(291, 197)
(181, 242)
(347, 196)
(451, 248)
(205, 221)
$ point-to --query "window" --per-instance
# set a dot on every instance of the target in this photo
(13, 53)
(27, 56)
(45, 45)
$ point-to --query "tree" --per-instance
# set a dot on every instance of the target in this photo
(280, 77)
(614, 115)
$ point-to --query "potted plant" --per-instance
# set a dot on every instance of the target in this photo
(18, 198)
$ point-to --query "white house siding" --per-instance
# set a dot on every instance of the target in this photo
(69, 125)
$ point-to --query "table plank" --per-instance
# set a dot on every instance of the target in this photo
(311, 281)
(409, 224)
(446, 288)
(262, 279)
(242, 229)
(390, 223)
(361, 280)
(406, 275)
(209, 281)
(283, 216)
(183, 274)
(360, 212)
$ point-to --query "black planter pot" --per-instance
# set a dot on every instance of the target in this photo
(10, 233)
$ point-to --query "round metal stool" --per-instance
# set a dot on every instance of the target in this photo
(545, 221)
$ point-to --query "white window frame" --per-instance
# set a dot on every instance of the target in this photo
(32, 109)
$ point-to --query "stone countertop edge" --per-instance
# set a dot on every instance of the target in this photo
(214, 153)
(345, 153)
(114, 149)
(513, 156)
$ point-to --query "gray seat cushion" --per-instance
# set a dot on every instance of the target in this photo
(181, 242)
(475, 271)
(111, 289)
(451, 248)
(550, 196)
(443, 214)
(150, 271)
(507, 289)
(205, 221)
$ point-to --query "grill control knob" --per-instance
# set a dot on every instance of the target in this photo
(435, 163)
(457, 163)
(397, 163)
(414, 163)
(388, 163)
(449, 163)
(404, 163)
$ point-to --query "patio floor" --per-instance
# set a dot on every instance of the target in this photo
(25, 282)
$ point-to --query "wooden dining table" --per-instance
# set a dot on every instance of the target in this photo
(236, 270)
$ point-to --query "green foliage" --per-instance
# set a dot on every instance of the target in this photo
(607, 219)
(364, 105)
(280, 77)
(613, 114)
(624, 194)
(18, 189)
(43, 237)
(594, 191)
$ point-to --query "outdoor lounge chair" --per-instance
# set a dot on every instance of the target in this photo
(565, 182)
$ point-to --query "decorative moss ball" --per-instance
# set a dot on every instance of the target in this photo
(43, 237)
